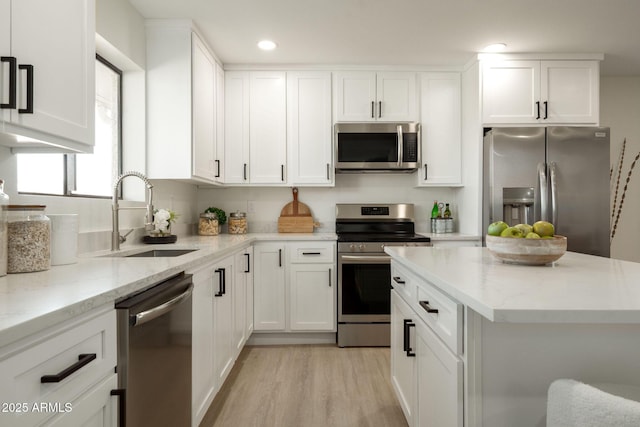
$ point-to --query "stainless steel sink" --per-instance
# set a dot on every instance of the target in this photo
(160, 253)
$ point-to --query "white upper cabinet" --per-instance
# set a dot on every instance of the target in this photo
(309, 132)
(440, 116)
(255, 127)
(371, 96)
(49, 49)
(267, 127)
(544, 92)
(181, 105)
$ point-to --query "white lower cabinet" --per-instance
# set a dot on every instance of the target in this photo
(426, 374)
(295, 286)
(63, 375)
(219, 322)
(242, 299)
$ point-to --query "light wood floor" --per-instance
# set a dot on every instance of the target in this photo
(307, 386)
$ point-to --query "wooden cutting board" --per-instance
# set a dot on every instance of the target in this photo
(296, 217)
(295, 208)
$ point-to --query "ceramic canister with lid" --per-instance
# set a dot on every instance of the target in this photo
(28, 239)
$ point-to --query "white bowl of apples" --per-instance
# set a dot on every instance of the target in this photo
(525, 244)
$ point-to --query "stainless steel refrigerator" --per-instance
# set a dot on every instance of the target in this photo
(557, 174)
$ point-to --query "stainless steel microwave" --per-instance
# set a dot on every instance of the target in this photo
(377, 147)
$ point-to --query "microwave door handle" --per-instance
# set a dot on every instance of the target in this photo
(400, 144)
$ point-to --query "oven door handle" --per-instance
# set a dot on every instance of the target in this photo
(366, 259)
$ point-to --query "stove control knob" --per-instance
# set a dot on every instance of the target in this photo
(352, 247)
(382, 247)
(361, 247)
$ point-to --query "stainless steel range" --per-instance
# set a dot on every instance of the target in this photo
(364, 270)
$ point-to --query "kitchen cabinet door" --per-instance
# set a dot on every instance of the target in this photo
(312, 294)
(510, 91)
(571, 90)
(223, 319)
(540, 92)
(403, 365)
(204, 381)
(63, 83)
(440, 99)
(355, 96)
(5, 50)
(240, 273)
(269, 286)
(440, 388)
(236, 126)
(248, 276)
(181, 105)
(204, 114)
(396, 96)
(309, 130)
(219, 137)
(267, 127)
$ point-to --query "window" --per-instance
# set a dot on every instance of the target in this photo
(82, 174)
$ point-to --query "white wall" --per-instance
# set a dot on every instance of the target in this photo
(263, 205)
(620, 110)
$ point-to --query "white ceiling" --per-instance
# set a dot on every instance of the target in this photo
(409, 32)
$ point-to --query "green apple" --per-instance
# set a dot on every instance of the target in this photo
(511, 232)
(496, 228)
(532, 235)
(543, 229)
(526, 228)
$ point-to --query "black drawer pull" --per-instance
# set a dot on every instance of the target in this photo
(427, 307)
(83, 359)
(398, 280)
(13, 70)
(311, 253)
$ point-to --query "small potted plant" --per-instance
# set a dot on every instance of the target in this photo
(219, 214)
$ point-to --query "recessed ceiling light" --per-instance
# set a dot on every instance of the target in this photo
(496, 47)
(266, 45)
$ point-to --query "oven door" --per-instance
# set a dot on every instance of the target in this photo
(364, 287)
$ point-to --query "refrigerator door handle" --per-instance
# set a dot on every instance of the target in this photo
(554, 192)
(544, 197)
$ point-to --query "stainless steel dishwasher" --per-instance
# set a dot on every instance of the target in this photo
(154, 355)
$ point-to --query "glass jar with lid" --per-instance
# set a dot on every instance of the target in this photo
(208, 224)
(4, 202)
(238, 223)
(28, 239)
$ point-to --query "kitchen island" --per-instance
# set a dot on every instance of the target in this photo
(510, 330)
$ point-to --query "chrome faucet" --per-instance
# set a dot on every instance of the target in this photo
(116, 239)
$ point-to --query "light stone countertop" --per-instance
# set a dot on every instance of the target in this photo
(30, 302)
(577, 288)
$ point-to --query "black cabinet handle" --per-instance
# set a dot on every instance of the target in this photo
(29, 109)
(410, 352)
(398, 280)
(427, 307)
(244, 171)
(311, 253)
(546, 110)
(379, 109)
(83, 360)
(279, 257)
(122, 405)
(218, 168)
(328, 172)
(248, 270)
(406, 344)
(425, 171)
(330, 278)
(282, 173)
(538, 109)
(221, 289)
(373, 107)
(13, 86)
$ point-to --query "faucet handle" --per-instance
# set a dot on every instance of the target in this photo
(124, 238)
